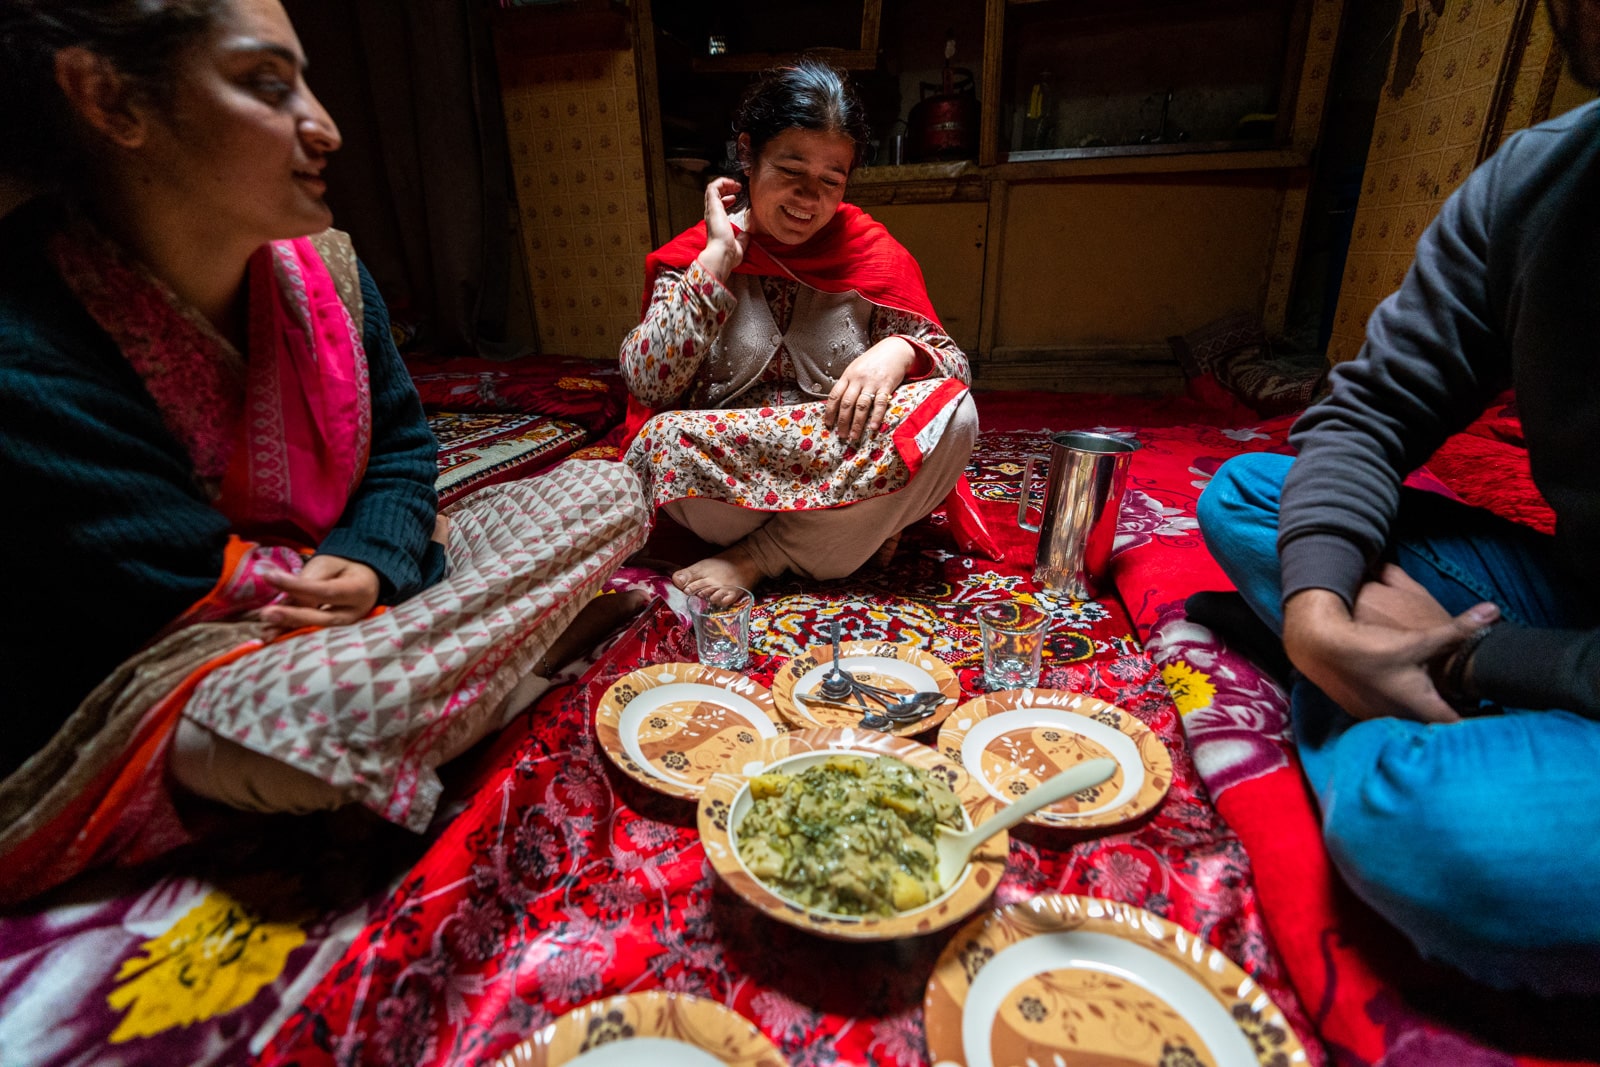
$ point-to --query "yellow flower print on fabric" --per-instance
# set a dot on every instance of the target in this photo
(214, 959)
(1190, 689)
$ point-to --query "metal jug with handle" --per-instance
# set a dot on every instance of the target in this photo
(1078, 528)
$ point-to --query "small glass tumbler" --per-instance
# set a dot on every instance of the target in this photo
(1013, 644)
(722, 631)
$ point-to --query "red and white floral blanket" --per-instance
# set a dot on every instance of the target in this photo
(553, 881)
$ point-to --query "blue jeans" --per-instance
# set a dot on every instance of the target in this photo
(1479, 839)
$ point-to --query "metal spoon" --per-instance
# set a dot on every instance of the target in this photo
(914, 707)
(838, 684)
(893, 704)
(956, 846)
(873, 720)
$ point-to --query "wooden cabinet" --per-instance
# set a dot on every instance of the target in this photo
(950, 241)
(1129, 77)
(1141, 166)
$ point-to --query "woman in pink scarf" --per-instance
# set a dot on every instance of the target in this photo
(226, 567)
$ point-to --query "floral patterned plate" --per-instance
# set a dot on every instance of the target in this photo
(895, 665)
(727, 799)
(1065, 979)
(671, 725)
(659, 1028)
(1012, 740)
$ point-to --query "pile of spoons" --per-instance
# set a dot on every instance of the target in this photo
(839, 686)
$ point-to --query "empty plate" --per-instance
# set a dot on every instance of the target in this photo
(659, 1028)
(1012, 740)
(1065, 979)
(673, 725)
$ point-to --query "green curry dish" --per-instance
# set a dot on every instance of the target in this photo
(849, 836)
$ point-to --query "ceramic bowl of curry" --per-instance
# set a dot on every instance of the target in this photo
(848, 893)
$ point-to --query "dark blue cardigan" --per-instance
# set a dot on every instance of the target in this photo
(106, 534)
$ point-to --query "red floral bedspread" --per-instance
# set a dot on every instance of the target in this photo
(562, 881)
(558, 881)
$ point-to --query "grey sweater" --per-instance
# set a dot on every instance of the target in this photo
(1505, 288)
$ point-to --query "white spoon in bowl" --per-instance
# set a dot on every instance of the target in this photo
(956, 846)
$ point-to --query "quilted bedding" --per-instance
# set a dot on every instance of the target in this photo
(551, 881)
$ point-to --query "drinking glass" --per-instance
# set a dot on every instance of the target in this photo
(722, 631)
(1013, 644)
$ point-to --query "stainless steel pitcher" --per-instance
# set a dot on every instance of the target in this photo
(1088, 472)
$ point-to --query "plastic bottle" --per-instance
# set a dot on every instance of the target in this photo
(1039, 126)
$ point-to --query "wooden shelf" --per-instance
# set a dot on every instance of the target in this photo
(914, 172)
(863, 57)
(1072, 163)
(931, 183)
(750, 63)
(1172, 159)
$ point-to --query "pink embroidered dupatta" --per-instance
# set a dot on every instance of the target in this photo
(280, 440)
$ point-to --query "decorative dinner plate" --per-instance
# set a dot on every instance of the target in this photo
(726, 800)
(659, 1028)
(895, 665)
(1012, 740)
(671, 725)
(1065, 979)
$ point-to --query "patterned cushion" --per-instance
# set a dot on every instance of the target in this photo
(1234, 351)
(476, 450)
(1204, 350)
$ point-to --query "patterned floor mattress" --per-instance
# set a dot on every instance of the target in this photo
(550, 881)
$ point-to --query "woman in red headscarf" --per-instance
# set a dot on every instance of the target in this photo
(796, 399)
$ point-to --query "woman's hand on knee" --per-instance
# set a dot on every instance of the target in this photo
(860, 399)
(328, 591)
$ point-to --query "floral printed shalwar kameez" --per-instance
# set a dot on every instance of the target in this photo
(740, 373)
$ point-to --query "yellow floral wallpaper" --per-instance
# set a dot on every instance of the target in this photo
(1464, 73)
(578, 158)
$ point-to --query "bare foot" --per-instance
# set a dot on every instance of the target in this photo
(886, 551)
(717, 577)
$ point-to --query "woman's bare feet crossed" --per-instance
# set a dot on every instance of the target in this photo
(716, 577)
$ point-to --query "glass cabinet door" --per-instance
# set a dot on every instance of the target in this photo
(1093, 77)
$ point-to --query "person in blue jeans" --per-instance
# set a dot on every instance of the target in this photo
(1447, 699)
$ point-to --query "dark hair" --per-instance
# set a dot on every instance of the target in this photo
(40, 139)
(811, 95)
